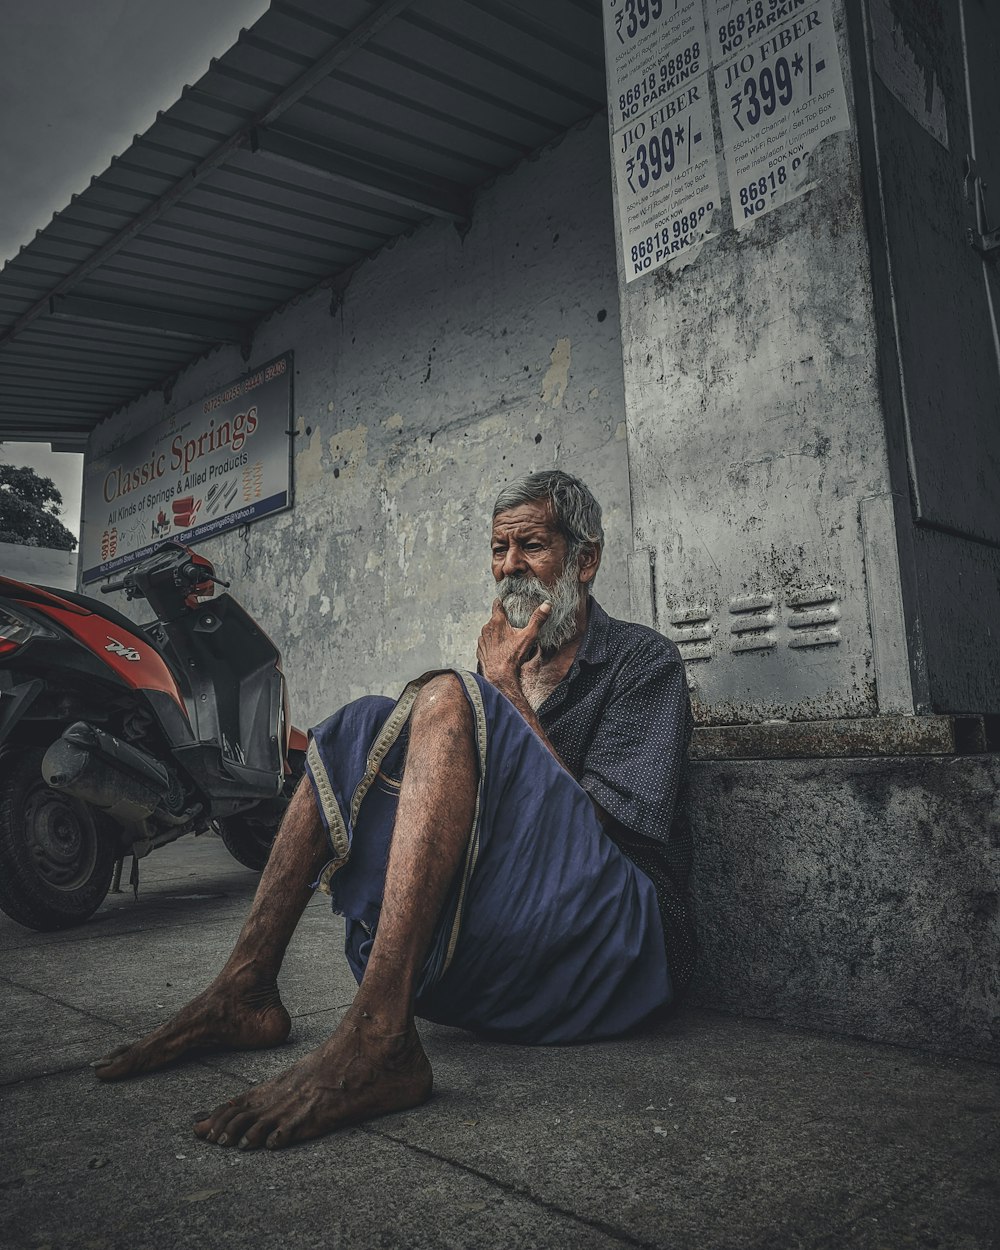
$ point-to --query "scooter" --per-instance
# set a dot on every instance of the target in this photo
(117, 738)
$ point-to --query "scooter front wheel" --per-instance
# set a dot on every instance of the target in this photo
(55, 867)
(248, 841)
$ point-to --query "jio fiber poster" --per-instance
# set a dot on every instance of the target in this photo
(221, 463)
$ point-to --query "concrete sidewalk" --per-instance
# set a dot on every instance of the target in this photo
(709, 1131)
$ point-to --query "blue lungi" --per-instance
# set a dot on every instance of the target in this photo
(550, 934)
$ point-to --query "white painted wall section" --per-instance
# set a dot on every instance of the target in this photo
(451, 366)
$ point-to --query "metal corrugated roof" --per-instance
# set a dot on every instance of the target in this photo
(323, 133)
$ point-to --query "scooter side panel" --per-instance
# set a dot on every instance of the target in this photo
(128, 655)
(37, 595)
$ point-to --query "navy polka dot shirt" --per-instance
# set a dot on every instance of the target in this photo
(621, 721)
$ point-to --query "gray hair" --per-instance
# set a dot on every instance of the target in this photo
(576, 511)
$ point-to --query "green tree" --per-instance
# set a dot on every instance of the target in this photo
(29, 510)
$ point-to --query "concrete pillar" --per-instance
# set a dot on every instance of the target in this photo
(813, 414)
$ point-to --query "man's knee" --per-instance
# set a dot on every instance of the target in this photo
(442, 699)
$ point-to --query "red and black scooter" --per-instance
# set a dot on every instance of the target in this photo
(116, 738)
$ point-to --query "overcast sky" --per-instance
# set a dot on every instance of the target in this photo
(79, 78)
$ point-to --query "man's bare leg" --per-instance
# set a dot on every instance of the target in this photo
(373, 1063)
(241, 1009)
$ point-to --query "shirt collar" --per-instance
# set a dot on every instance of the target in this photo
(594, 648)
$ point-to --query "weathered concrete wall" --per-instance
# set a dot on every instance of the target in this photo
(44, 565)
(755, 433)
(855, 895)
(451, 365)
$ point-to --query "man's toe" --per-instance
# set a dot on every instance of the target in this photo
(111, 1056)
(118, 1064)
(236, 1128)
(217, 1124)
(257, 1133)
(277, 1139)
(212, 1123)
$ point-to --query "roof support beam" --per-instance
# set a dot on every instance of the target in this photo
(35, 368)
(93, 390)
(398, 188)
(40, 404)
(172, 325)
(283, 101)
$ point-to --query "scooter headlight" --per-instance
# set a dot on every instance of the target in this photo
(15, 631)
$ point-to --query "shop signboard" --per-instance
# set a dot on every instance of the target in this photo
(221, 463)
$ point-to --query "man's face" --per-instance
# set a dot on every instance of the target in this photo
(526, 541)
(530, 568)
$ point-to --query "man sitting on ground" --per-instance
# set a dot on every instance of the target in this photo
(501, 848)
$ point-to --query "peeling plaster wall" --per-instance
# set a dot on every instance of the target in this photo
(450, 366)
(755, 433)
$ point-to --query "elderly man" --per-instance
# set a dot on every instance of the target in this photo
(501, 849)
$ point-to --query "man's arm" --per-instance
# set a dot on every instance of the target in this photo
(636, 761)
(503, 654)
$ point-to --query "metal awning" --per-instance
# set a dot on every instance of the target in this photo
(326, 131)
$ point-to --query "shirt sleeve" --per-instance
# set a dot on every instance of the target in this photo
(635, 763)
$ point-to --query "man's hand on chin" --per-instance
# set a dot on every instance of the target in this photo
(509, 657)
(503, 652)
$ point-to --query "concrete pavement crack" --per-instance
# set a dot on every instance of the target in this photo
(96, 935)
(148, 923)
(518, 1191)
(608, 1230)
(59, 1002)
(31, 1077)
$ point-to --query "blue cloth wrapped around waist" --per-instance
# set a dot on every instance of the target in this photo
(549, 933)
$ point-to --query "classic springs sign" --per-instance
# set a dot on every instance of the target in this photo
(216, 465)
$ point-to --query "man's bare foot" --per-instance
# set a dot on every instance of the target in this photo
(238, 1011)
(357, 1074)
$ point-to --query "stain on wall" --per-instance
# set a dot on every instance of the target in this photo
(556, 378)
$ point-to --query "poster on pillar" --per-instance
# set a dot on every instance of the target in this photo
(780, 89)
(663, 144)
(221, 463)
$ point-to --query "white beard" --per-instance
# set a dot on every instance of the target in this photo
(521, 595)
